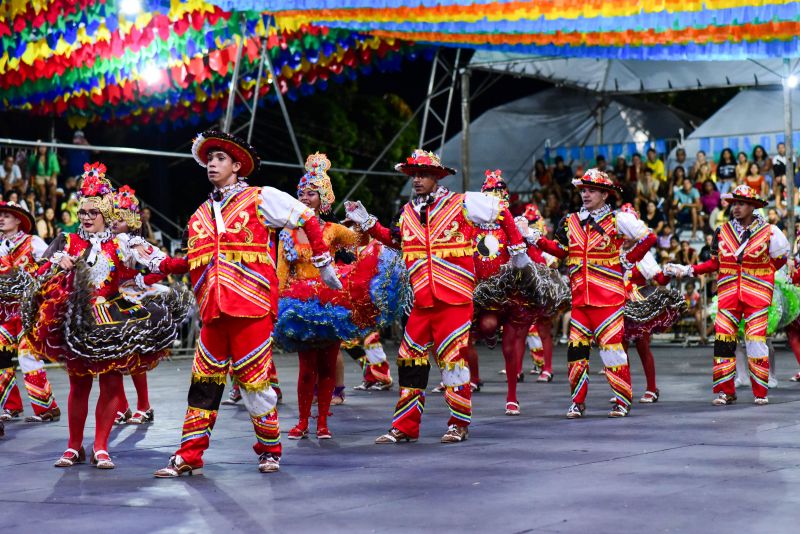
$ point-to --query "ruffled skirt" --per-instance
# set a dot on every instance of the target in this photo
(65, 322)
(311, 314)
(650, 310)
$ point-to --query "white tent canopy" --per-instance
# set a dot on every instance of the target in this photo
(627, 76)
(753, 117)
(512, 136)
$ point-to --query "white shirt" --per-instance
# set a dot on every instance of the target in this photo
(16, 174)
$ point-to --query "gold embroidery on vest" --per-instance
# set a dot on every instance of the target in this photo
(242, 225)
(200, 233)
(451, 234)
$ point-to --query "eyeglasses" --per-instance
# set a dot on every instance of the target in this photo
(90, 214)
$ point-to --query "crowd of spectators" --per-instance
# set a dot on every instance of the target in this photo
(46, 184)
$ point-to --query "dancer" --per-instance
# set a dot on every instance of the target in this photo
(746, 252)
(311, 319)
(80, 318)
(138, 286)
(499, 299)
(591, 241)
(20, 253)
(231, 259)
(436, 234)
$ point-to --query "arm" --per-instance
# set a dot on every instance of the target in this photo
(778, 248)
(369, 224)
(38, 248)
(633, 228)
(285, 243)
(558, 247)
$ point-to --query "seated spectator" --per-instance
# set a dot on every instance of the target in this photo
(679, 161)
(704, 173)
(670, 254)
(756, 180)
(764, 162)
(687, 205)
(656, 165)
(552, 208)
(653, 217)
(695, 309)
(709, 200)
(687, 254)
(600, 163)
(664, 239)
(646, 190)
(33, 204)
(705, 252)
(773, 217)
(562, 173)
(541, 176)
(11, 176)
(13, 196)
(636, 168)
(742, 165)
(44, 170)
(147, 230)
(726, 171)
(621, 168)
(779, 161)
(46, 225)
(699, 161)
(720, 215)
(68, 224)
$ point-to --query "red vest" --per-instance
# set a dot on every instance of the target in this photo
(21, 256)
(439, 255)
(595, 273)
(233, 273)
(751, 281)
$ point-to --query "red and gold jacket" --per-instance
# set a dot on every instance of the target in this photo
(233, 271)
(592, 249)
(437, 241)
(746, 260)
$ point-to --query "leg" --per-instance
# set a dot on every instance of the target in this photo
(38, 387)
(376, 367)
(534, 343)
(726, 326)
(793, 338)
(413, 368)
(471, 355)
(609, 336)
(755, 331)
(545, 329)
(326, 367)
(106, 409)
(580, 339)
(142, 394)
(338, 390)
(251, 350)
(306, 380)
(648, 363)
(10, 399)
(513, 351)
(78, 408)
(451, 326)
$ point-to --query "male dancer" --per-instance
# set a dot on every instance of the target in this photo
(19, 249)
(591, 241)
(436, 235)
(231, 259)
(746, 251)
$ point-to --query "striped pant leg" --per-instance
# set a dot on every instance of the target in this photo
(755, 338)
(609, 334)
(413, 368)
(580, 342)
(40, 392)
(724, 371)
(451, 325)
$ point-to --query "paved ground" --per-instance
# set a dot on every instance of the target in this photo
(677, 466)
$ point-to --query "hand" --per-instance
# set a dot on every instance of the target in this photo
(522, 226)
(679, 271)
(67, 263)
(356, 212)
(534, 235)
(520, 261)
(328, 275)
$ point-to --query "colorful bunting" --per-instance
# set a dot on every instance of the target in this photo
(170, 65)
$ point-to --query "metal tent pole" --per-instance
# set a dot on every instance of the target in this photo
(465, 74)
(273, 75)
(257, 89)
(787, 130)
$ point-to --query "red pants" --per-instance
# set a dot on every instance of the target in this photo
(316, 366)
(540, 343)
(35, 377)
(755, 332)
(604, 325)
(245, 345)
(444, 328)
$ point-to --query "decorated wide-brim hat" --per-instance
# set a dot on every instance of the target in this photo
(26, 221)
(238, 149)
(745, 193)
(597, 179)
(422, 162)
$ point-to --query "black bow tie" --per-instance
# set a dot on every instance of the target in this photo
(216, 195)
(590, 221)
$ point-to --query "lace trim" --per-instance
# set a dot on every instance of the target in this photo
(600, 212)
(422, 200)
